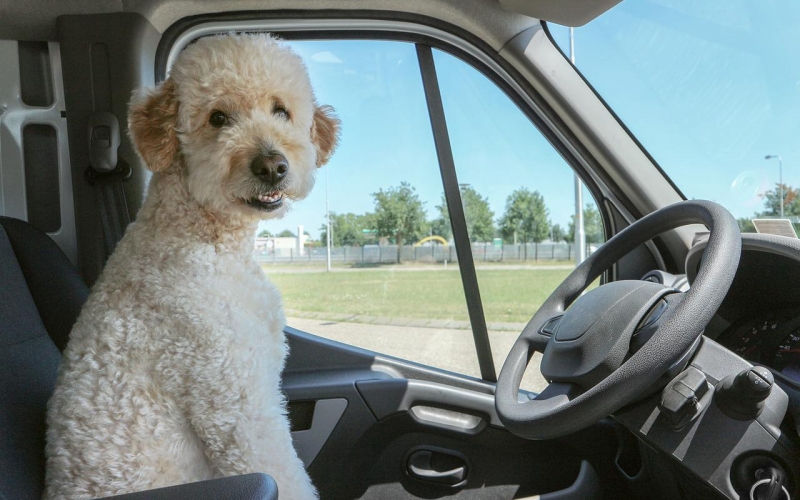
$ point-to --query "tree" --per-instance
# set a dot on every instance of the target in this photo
(265, 234)
(286, 234)
(592, 226)
(347, 229)
(440, 226)
(746, 225)
(557, 233)
(399, 214)
(772, 207)
(526, 215)
(478, 215)
(772, 203)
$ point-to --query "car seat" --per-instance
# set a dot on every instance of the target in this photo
(41, 295)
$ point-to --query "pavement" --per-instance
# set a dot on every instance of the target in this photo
(443, 347)
(416, 322)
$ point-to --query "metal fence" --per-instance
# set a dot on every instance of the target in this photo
(377, 254)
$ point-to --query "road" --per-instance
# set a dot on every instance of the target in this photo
(450, 349)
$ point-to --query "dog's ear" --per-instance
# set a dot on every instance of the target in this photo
(152, 122)
(324, 133)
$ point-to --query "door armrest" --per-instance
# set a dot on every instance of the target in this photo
(244, 487)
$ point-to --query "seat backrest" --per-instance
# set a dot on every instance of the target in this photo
(41, 295)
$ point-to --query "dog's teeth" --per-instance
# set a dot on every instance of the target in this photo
(269, 198)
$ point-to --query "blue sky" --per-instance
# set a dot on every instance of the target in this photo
(708, 87)
(376, 89)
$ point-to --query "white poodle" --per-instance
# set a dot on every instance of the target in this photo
(172, 372)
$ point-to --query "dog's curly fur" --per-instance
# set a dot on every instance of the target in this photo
(172, 371)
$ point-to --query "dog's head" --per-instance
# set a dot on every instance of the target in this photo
(240, 111)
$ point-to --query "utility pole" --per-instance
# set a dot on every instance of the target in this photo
(327, 219)
(780, 177)
(580, 233)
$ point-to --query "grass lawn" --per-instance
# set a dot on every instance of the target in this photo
(319, 265)
(508, 295)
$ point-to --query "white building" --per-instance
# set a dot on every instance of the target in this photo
(282, 246)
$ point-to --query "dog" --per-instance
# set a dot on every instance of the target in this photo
(172, 372)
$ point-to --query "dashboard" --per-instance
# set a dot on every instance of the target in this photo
(771, 339)
(758, 323)
(760, 317)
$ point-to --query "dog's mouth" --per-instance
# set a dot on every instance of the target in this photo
(266, 202)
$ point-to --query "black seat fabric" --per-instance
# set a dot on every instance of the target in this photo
(56, 287)
(40, 297)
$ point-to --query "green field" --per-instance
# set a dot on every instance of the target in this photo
(508, 295)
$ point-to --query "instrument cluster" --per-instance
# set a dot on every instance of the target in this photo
(772, 339)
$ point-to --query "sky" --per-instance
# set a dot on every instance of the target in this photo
(376, 90)
(709, 88)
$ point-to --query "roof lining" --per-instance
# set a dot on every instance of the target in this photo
(571, 13)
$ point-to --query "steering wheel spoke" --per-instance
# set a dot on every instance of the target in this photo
(660, 314)
(615, 341)
(559, 393)
(538, 333)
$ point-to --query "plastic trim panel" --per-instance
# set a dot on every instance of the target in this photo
(14, 116)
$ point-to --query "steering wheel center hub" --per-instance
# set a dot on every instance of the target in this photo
(594, 336)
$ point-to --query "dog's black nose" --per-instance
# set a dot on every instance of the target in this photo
(270, 167)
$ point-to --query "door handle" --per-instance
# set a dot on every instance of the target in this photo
(420, 466)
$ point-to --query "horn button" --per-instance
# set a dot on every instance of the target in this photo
(594, 336)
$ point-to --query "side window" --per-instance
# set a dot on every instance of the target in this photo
(519, 203)
(394, 286)
(389, 281)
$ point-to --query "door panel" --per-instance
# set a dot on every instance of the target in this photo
(407, 430)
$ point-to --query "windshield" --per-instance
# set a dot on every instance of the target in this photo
(711, 89)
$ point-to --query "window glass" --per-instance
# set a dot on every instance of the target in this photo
(519, 200)
(383, 188)
(711, 89)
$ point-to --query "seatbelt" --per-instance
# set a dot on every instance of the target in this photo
(107, 172)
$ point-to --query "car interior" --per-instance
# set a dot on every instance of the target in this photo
(677, 378)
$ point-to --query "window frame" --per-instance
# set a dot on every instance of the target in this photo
(426, 33)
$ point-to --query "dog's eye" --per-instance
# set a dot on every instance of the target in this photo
(218, 119)
(280, 112)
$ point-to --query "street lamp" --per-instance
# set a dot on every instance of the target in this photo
(580, 232)
(780, 174)
(327, 223)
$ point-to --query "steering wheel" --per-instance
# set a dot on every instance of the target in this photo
(615, 341)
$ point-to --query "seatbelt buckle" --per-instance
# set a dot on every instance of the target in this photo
(104, 140)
